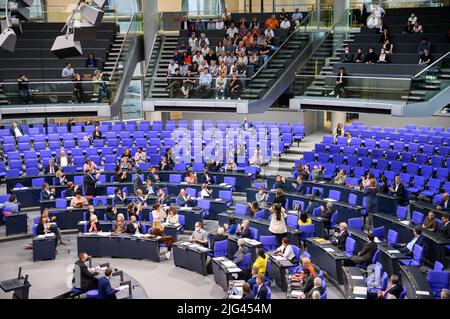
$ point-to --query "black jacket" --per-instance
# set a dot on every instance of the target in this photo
(204, 178)
(445, 231)
(47, 196)
(89, 184)
(13, 133)
(344, 78)
(400, 194)
(244, 233)
(367, 252)
(248, 296)
(262, 293)
(341, 239)
(47, 169)
(395, 290)
(132, 230)
(308, 285)
(88, 279)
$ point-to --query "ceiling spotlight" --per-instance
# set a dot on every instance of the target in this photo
(8, 39)
(65, 47)
(92, 15)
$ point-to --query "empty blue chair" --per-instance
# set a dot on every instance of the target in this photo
(230, 181)
(307, 231)
(292, 220)
(417, 217)
(334, 194)
(37, 182)
(433, 187)
(392, 237)
(175, 178)
(438, 266)
(60, 203)
(241, 209)
(355, 223)
(350, 246)
(416, 259)
(254, 233)
(378, 232)
(204, 204)
(268, 243)
(402, 212)
(220, 248)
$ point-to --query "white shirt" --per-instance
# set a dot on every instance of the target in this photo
(285, 24)
(204, 194)
(17, 132)
(231, 32)
(192, 42)
(172, 68)
(219, 25)
(287, 252)
(63, 161)
(412, 19)
(268, 32)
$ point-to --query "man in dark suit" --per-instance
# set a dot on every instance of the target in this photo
(299, 186)
(312, 204)
(444, 204)
(218, 237)
(185, 23)
(89, 182)
(418, 239)
(84, 277)
(105, 291)
(243, 230)
(366, 254)
(16, 130)
(138, 183)
(262, 291)
(51, 168)
(308, 281)
(184, 199)
(341, 236)
(317, 287)
(399, 191)
(445, 230)
(341, 83)
(206, 177)
(47, 193)
(153, 176)
(247, 292)
(162, 198)
(395, 289)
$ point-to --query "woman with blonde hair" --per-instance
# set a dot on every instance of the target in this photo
(94, 225)
(119, 226)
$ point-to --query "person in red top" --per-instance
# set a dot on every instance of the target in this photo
(272, 22)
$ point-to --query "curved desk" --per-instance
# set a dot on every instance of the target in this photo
(120, 246)
(436, 243)
(389, 257)
(223, 270)
(345, 210)
(416, 283)
(355, 286)
(190, 256)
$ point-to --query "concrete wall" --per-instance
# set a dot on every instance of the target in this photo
(168, 5)
(151, 25)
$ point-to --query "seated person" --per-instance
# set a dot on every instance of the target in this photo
(430, 222)
(306, 281)
(206, 177)
(261, 197)
(299, 186)
(418, 239)
(134, 226)
(46, 225)
(78, 201)
(120, 176)
(316, 288)
(199, 235)
(162, 198)
(304, 219)
(341, 83)
(153, 175)
(444, 204)
(312, 204)
(140, 199)
(426, 58)
(253, 208)
(285, 250)
(125, 164)
(120, 225)
(11, 205)
(230, 166)
(254, 273)
(340, 238)
(94, 225)
(261, 262)
(341, 177)
(327, 212)
(172, 216)
(184, 199)
(261, 291)
(395, 288)
(205, 192)
(133, 209)
(111, 213)
(247, 293)
(230, 227)
(140, 157)
(119, 198)
(445, 229)
(347, 56)
(60, 178)
(243, 230)
(280, 183)
(87, 276)
(191, 178)
(158, 230)
(149, 188)
(158, 213)
(317, 173)
(238, 256)
(371, 57)
(365, 255)
(219, 236)
(47, 193)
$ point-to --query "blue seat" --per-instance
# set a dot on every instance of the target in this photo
(241, 209)
(355, 223)
(438, 280)
(417, 217)
(220, 248)
(92, 294)
(378, 232)
(268, 243)
(416, 260)
(350, 246)
(392, 237)
(402, 212)
(175, 178)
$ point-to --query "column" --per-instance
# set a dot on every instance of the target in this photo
(339, 8)
(337, 117)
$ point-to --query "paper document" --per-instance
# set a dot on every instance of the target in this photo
(228, 263)
(422, 292)
(218, 199)
(357, 277)
(394, 251)
(329, 249)
(360, 290)
(279, 258)
(330, 200)
(405, 222)
(234, 269)
(296, 293)
(223, 184)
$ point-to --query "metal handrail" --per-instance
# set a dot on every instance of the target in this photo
(352, 77)
(431, 65)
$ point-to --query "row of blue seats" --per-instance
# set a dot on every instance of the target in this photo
(377, 146)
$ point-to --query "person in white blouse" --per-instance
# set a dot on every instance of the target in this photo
(285, 250)
(140, 156)
(285, 24)
(192, 40)
(220, 24)
(172, 217)
(278, 225)
(158, 213)
(205, 192)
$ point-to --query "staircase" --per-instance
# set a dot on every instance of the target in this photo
(157, 70)
(3, 97)
(321, 63)
(421, 87)
(263, 80)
